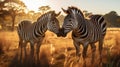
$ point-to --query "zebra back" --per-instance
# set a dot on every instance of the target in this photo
(99, 20)
(24, 24)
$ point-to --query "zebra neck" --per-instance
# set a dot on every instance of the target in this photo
(81, 31)
(40, 27)
(80, 18)
(43, 20)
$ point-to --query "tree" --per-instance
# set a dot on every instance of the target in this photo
(61, 19)
(15, 8)
(12, 8)
(86, 13)
(31, 15)
(112, 19)
(44, 9)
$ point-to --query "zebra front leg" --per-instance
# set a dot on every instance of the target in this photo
(100, 50)
(77, 47)
(93, 48)
(84, 54)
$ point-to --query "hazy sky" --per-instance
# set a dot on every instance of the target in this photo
(94, 6)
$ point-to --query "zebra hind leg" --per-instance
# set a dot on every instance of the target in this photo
(32, 52)
(93, 48)
(38, 51)
(20, 49)
(25, 53)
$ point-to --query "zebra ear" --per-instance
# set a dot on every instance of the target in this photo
(65, 11)
(57, 14)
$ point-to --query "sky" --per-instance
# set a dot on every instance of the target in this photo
(94, 6)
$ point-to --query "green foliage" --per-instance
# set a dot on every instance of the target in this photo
(112, 18)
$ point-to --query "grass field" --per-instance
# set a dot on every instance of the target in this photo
(58, 51)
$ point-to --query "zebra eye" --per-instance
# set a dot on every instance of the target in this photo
(53, 22)
(70, 20)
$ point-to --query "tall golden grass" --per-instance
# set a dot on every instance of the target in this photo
(111, 52)
(5, 42)
(58, 51)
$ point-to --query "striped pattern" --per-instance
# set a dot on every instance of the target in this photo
(99, 20)
(35, 32)
(84, 31)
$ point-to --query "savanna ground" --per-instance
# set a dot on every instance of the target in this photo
(58, 51)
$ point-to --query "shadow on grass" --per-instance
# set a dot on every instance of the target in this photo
(26, 62)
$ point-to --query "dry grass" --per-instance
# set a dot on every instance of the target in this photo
(58, 51)
(7, 41)
(6, 46)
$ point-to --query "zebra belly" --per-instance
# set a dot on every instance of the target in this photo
(85, 41)
(82, 41)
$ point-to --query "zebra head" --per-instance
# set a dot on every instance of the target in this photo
(53, 23)
(70, 20)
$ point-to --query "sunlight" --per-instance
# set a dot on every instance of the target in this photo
(34, 4)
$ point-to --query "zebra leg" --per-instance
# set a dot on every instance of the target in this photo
(77, 47)
(93, 48)
(84, 54)
(38, 50)
(100, 49)
(20, 49)
(24, 46)
(32, 51)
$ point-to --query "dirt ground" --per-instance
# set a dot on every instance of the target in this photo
(58, 51)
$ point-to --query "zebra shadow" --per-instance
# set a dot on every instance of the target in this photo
(26, 62)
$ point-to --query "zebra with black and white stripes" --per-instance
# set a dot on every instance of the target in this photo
(34, 33)
(84, 31)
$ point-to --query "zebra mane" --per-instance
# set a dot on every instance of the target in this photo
(46, 14)
(75, 9)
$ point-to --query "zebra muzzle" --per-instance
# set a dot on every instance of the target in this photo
(58, 34)
(62, 32)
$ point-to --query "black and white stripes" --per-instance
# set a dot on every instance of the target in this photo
(100, 21)
(35, 32)
(84, 31)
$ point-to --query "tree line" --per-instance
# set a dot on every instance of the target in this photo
(13, 11)
(112, 19)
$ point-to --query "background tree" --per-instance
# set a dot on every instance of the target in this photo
(15, 8)
(11, 8)
(86, 13)
(61, 19)
(112, 19)
(3, 13)
(44, 9)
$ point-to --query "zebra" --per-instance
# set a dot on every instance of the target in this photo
(84, 31)
(34, 33)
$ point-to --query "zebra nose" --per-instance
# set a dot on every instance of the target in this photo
(62, 32)
(63, 35)
(58, 34)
